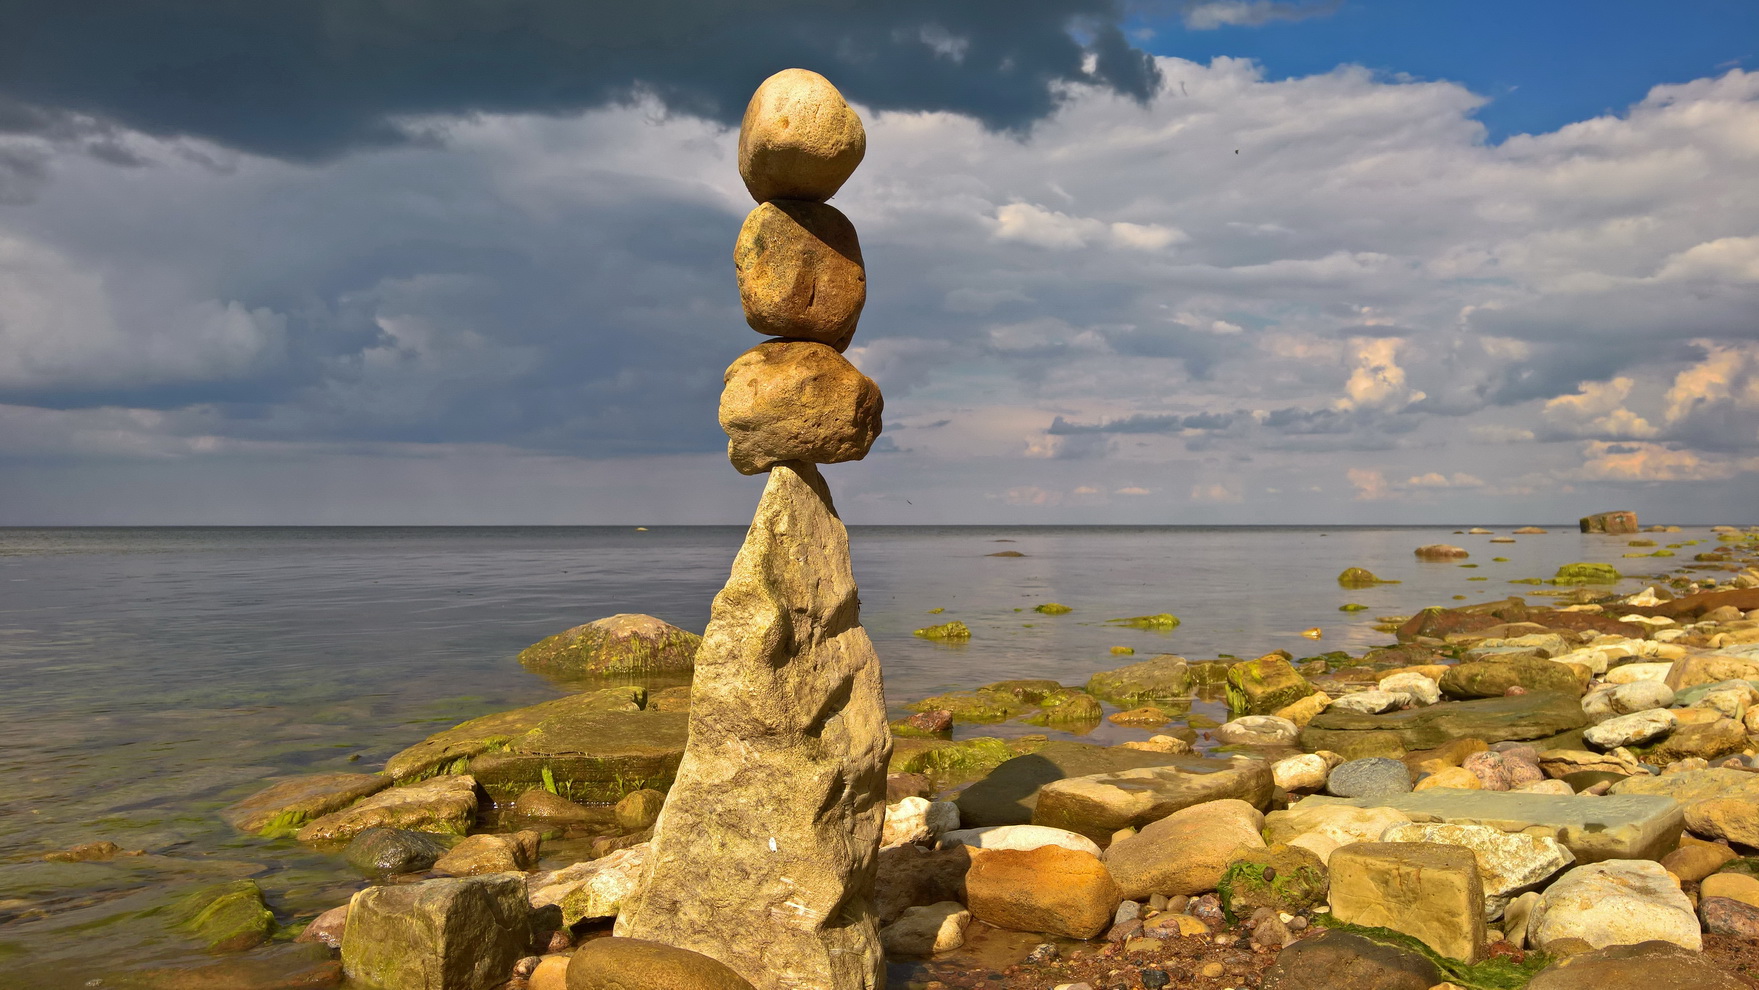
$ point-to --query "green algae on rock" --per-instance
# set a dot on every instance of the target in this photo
(617, 645)
(1052, 608)
(1162, 679)
(948, 632)
(1283, 878)
(1352, 607)
(1585, 573)
(1262, 686)
(1360, 577)
(228, 918)
(283, 807)
(494, 732)
(1162, 620)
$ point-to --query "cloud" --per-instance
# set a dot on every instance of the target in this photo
(1435, 479)
(1207, 15)
(1597, 410)
(1370, 484)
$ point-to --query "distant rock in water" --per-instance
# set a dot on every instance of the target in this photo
(1005, 553)
(628, 643)
(1609, 522)
(1441, 551)
(1360, 577)
(954, 632)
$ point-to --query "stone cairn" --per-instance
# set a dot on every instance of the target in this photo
(764, 856)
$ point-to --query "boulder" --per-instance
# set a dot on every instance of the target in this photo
(926, 930)
(454, 747)
(1656, 965)
(230, 917)
(1261, 686)
(539, 805)
(590, 756)
(1334, 959)
(1359, 577)
(637, 964)
(1593, 828)
(638, 809)
(1693, 861)
(1186, 852)
(1050, 890)
(1286, 879)
(287, 805)
(797, 401)
(800, 272)
(326, 928)
(1732, 819)
(381, 851)
(1583, 573)
(1008, 794)
(1441, 551)
(1098, 805)
(1618, 902)
(1493, 678)
(1640, 696)
(1509, 864)
(486, 853)
(1373, 777)
(1430, 892)
(459, 933)
(1529, 716)
(594, 889)
(1165, 679)
(1705, 740)
(1609, 522)
(1726, 916)
(1630, 730)
(780, 798)
(618, 645)
(799, 138)
(444, 804)
(1734, 886)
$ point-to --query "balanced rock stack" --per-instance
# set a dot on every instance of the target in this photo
(764, 855)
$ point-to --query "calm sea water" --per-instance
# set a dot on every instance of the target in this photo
(151, 676)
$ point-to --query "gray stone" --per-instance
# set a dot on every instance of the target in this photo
(1591, 827)
(380, 851)
(1372, 777)
(1100, 804)
(1528, 716)
(459, 933)
(764, 855)
(1334, 960)
(1630, 730)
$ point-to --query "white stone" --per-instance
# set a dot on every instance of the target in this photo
(1323, 828)
(918, 820)
(1370, 702)
(1645, 598)
(1258, 730)
(1546, 787)
(1019, 837)
(1640, 696)
(1731, 702)
(1423, 689)
(1630, 730)
(1300, 773)
(1595, 660)
(926, 930)
(1616, 902)
(1508, 863)
(1630, 672)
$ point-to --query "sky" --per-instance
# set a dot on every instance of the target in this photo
(1182, 261)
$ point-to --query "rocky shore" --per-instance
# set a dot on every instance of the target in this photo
(1553, 790)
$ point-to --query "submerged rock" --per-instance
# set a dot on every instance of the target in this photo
(764, 856)
(444, 804)
(381, 851)
(452, 749)
(1531, 716)
(228, 918)
(283, 807)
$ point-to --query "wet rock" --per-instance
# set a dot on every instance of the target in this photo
(799, 139)
(800, 272)
(1441, 551)
(935, 722)
(1609, 522)
(590, 756)
(1261, 686)
(926, 930)
(1050, 889)
(485, 853)
(1652, 965)
(1148, 717)
(1334, 959)
(638, 809)
(1359, 577)
(326, 928)
(1619, 902)
(797, 401)
(90, 852)
(1185, 853)
(540, 805)
(1493, 678)
(1165, 679)
(637, 964)
(381, 851)
(456, 746)
(1098, 805)
(628, 643)
(1287, 879)
(1533, 716)
(1373, 777)
(444, 804)
(230, 917)
(283, 807)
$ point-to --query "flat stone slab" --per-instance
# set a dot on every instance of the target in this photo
(288, 804)
(1009, 794)
(1522, 717)
(1099, 804)
(1594, 828)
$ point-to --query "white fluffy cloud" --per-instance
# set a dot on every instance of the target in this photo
(1248, 296)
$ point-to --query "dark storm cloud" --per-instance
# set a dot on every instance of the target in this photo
(306, 79)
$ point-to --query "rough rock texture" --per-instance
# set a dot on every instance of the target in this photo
(795, 400)
(289, 804)
(593, 889)
(926, 930)
(1261, 686)
(230, 917)
(800, 272)
(1370, 777)
(1333, 960)
(1591, 827)
(443, 804)
(1609, 522)
(1619, 902)
(628, 643)
(448, 934)
(1050, 889)
(1162, 679)
(1186, 852)
(637, 964)
(1528, 716)
(1008, 795)
(1645, 966)
(1508, 863)
(458, 744)
(1493, 678)
(1430, 892)
(764, 855)
(799, 138)
(1734, 819)
(1018, 837)
(1100, 804)
(487, 853)
(591, 756)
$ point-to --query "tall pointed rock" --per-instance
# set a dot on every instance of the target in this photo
(764, 855)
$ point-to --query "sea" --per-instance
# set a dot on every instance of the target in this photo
(151, 676)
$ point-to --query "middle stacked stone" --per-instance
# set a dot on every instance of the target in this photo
(801, 280)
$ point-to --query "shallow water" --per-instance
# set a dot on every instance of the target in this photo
(151, 676)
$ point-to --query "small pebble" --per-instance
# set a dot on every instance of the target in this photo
(1155, 979)
(1042, 953)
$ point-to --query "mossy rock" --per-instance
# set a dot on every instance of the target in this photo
(1495, 973)
(1162, 679)
(947, 632)
(1265, 685)
(1070, 708)
(588, 757)
(617, 645)
(1052, 608)
(978, 707)
(452, 748)
(949, 762)
(1283, 878)
(1360, 577)
(228, 918)
(1163, 620)
(1352, 607)
(1583, 573)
